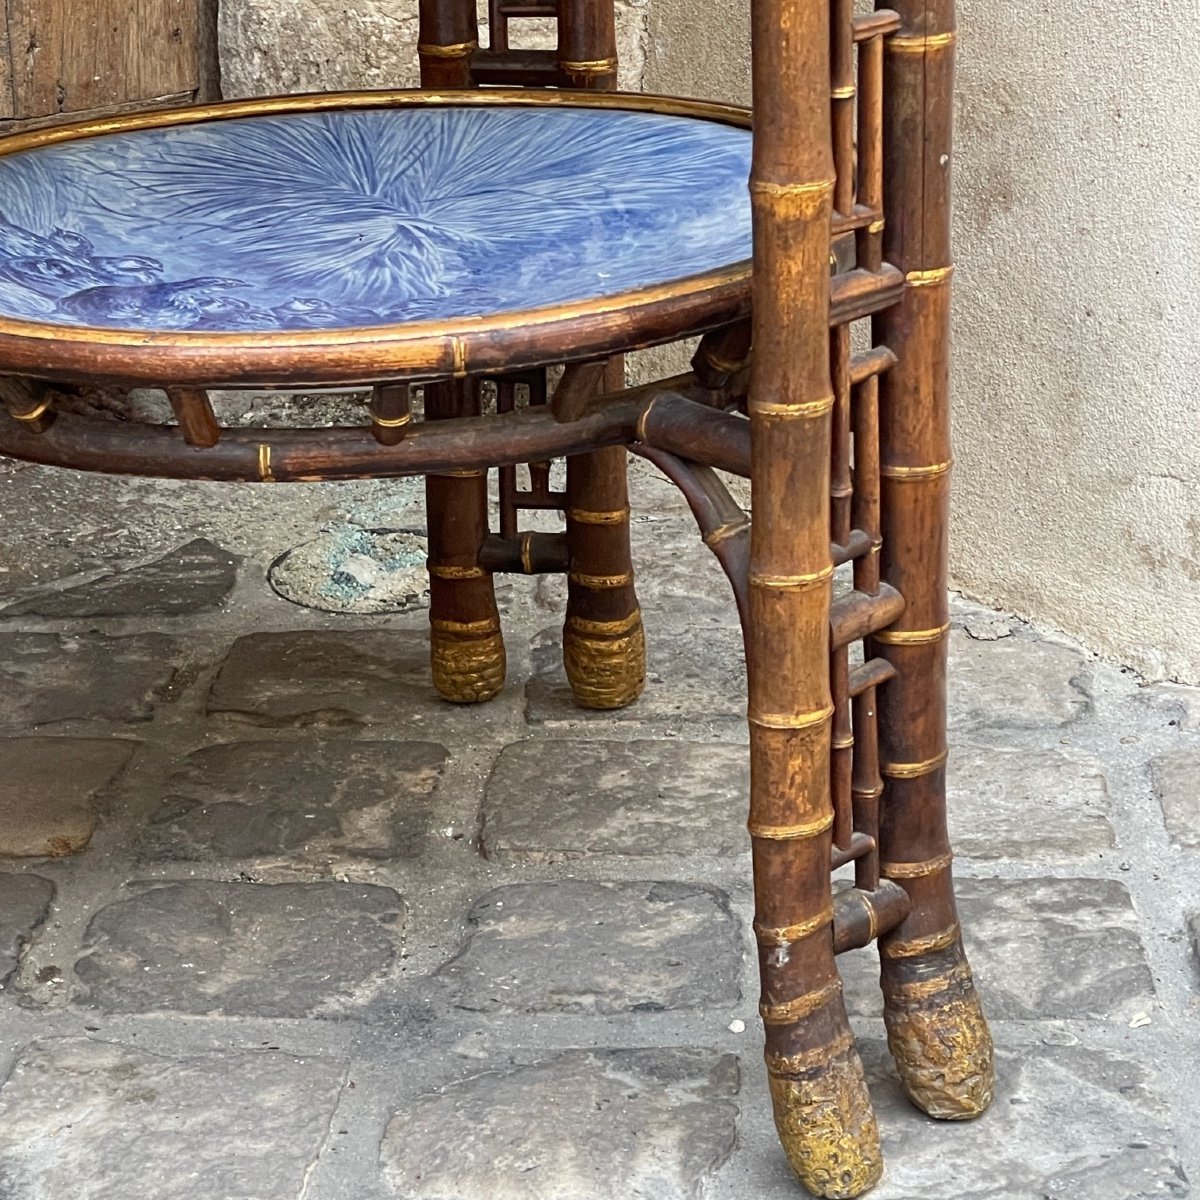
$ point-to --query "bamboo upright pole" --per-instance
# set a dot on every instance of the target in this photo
(822, 1109)
(936, 1027)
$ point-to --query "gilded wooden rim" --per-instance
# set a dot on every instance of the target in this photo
(416, 350)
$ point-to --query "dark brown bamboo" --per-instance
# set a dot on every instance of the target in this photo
(29, 403)
(447, 40)
(860, 915)
(391, 413)
(526, 554)
(822, 1109)
(936, 1027)
(682, 427)
(467, 647)
(194, 412)
(722, 354)
(604, 643)
(587, 43)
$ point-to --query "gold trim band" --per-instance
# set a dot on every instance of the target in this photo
(914, 947)
(766, 188)
(441, 572)
(844, 743)
(929, 472)
(606, 628)
(459, 474)
(32, 414)
(909, 43)
(459, 349)
(807, 410)
(916, 870)
(924, 988)
(912, 637)
(792, 833)
(390, 422)
(847, 92)
(455, 50)
(728, 530)
(595, 66)
(527, 552)
(801, 1007)
(601, 583)
(264, 463)
(789, 934)
(808, 720)
(788, 1066)
(792, 583)
(491, 625)
(930, 278)
(877, 227)
(582, 516)
(914, 770)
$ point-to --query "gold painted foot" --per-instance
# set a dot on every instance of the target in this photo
(938, 1034)
(827, 1127)
(605, 661)
(469, 662)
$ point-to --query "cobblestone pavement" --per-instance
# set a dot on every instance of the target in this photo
(277, 924)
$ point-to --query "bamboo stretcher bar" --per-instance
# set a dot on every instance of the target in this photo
(526, 554)
(860, 916)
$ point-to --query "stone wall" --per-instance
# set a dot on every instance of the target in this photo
(1076, 317)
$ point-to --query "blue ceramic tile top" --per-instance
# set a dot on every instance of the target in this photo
(366, 217)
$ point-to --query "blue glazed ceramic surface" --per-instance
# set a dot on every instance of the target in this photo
(366, 217)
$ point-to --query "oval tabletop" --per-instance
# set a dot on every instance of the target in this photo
(360, 218)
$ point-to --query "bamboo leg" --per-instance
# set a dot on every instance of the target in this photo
(936, 1028)
(822, 1109)
(467, 647)
(604, 644)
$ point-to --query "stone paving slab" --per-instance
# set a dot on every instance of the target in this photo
(621, 1123)
(93, 1120)
(1041, 949)
(1176, 779)
(572, 947)
(1015, 682)
(24, 904)
(317, 798)
(1026, 804)
(692, 672)
(191, 579)
(47, 790)
(46, 678)
(240, 949)
(552, 804)
(327, 677)
(1069, 1123)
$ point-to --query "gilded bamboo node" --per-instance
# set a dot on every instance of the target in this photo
(593, 66)
(605, 673)
(787, 934)
(805, 409)
(846, 742)
(583, 516)
(912, 637)
(459, 474)
(390, 422)
(916, 473)
(439, 571)
(467, 671)
(605, 628)
(466, 628)
(877, 227)
(33, 414)
(459, 352)
(725, 532)
(764, 187)
(845, 92)
(808, 720)
(909, 43)
(455, 50)
(601, 583)
(792, 583)
(803, 1006)
(923, 989)
(792, 833)
(917, 770)
(931, 866)
(527, 553)
(930, 278)
(264, 463)
(784, 1066)
(915, 947)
